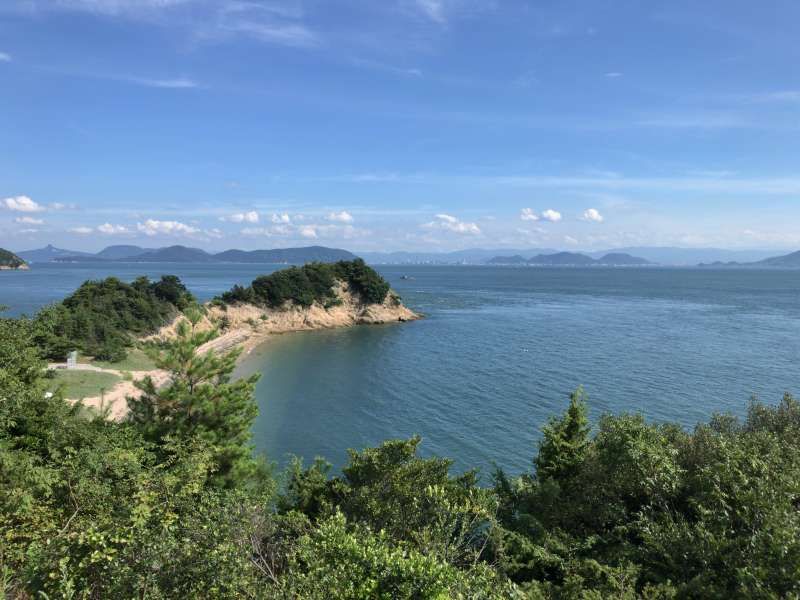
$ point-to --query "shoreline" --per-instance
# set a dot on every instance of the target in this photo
(248, 326)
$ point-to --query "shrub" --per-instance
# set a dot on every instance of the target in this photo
(102, 318)
(312, 283)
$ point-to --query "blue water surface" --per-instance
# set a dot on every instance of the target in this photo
(498, 353)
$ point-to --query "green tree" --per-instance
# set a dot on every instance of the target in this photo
(200, 401)
(564, 441)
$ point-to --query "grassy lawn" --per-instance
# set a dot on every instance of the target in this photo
(136, 360)
(83, 384)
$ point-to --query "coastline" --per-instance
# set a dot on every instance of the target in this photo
(248, 326)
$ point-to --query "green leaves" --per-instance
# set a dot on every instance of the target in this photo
(564, 441)
(101, 318)
(200, 402)
(312, 283)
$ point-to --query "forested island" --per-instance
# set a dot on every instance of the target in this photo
(171, 502)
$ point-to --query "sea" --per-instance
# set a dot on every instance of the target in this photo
(498, 353)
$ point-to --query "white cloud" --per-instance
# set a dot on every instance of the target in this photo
(81, 230)
(284, 218)
(21, 204)
(527, 214)
(308, 231)
(592, 214)
(245, 217)
(5, 57)
(28, 221)
(551, 215)
(613, 74)
(153, 227)
(341, 217)
(109, 229)
(450, 223)
(568, 239)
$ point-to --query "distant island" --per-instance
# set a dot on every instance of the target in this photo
(185, 254)
(10, 261)
(785, 261)
(571, 259)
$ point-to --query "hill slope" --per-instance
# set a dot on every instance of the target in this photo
(286, 255)
(48, 253)
(788, 261)
(174, 254)
(185, 254)
(10, 261)
(571, 259)
(785, 261)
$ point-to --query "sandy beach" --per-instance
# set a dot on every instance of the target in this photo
(247, 326)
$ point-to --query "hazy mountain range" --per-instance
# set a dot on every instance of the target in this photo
(572, 259)
(619, 256)
(184, 254)
(660, 255)
(786, 261)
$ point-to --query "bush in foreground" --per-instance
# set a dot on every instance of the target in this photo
(165, 505)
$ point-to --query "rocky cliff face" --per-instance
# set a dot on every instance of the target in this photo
(247, 325)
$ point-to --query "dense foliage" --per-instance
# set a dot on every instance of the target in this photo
(9, 259)
(312, 283)
(171, 503)
(102, 318)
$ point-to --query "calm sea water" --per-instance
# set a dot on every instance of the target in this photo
(499, 352)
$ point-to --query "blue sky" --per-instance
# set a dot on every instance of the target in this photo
(400, 124)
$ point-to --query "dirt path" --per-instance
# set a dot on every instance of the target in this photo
(115, 399)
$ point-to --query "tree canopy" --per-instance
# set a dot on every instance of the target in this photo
(102, 318)
(172, 503)
(313, 282)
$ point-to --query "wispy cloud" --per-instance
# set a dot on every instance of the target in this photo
(28, 221)
(172, 84)
(271, 22)
(109, 229)
(433, 9)
(700, 119)
(678, 183)
(152, 227)
(5, 57)
(381, 66)
(342, 217)
(242, 217)
(107, 7)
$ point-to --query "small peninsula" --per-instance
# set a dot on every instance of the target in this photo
(110, 322)
(11, 262)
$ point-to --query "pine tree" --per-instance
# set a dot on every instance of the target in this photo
(200, 402)
(565, 441)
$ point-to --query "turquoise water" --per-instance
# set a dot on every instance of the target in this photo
(499, 352)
